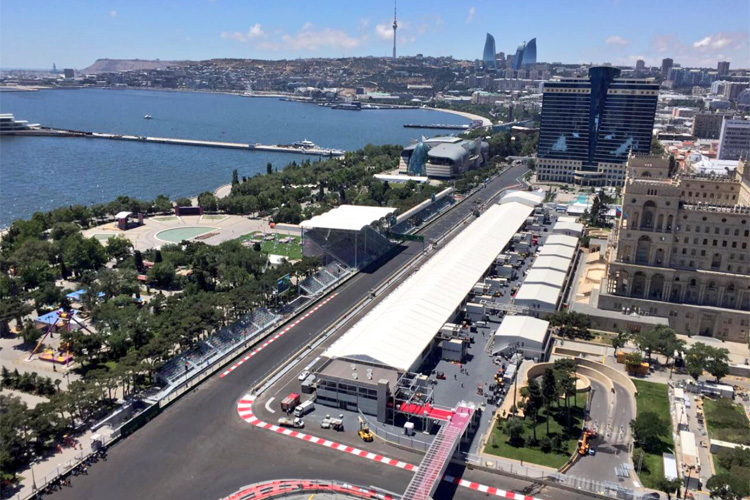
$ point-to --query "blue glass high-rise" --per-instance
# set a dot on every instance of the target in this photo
(489, 57)
(590, 126)
(518, 59)
(529, 54)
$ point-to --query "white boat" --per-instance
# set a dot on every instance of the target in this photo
(147, 117)
(305, 144)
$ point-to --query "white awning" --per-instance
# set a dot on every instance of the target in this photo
(348, 217)
(398, 330)
(123, 215)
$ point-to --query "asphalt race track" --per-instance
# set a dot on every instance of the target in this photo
(200, 448)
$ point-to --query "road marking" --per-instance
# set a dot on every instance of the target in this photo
(268, 407)
(275, 337)
(245, 411)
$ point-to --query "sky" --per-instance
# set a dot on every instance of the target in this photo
(73, 33)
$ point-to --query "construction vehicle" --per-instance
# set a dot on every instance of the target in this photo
(295, 423)
(364, 431)
(584, 444)
(337, 424)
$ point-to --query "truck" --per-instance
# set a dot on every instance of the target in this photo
(290, 402)
(304, 408)
(336, 424)
(295, 423)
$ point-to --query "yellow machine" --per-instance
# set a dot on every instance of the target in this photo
(364, 431)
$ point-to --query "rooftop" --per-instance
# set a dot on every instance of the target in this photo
(399, 329)
(348, 217)
(532, 329)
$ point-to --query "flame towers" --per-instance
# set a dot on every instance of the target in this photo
(489, 57)
(525, 55)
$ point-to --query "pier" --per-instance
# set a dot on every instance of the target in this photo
(49, 132)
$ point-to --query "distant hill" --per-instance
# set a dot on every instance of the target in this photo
(115, 65)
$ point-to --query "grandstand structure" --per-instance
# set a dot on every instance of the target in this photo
(325, 278)
(351, 235)
(222, 341)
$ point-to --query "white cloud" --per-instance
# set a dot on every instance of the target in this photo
(310, 39)
(616, 40)
(704, 52)
(364, 23)
(384, 31)
(112, 13)
(717, 41)
(470, 17)
(255, 31)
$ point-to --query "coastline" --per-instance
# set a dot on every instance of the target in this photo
(486, 122)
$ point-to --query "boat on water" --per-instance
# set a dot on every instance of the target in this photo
(350, 106)
(147, 117)
(305, 144)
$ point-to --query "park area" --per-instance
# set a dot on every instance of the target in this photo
(726, 421)
(289, 246)
(653, 398)
(551, 449)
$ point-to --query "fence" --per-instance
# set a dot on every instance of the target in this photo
(587, 486)
(50, 482)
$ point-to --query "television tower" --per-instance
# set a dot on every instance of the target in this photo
(395, 25)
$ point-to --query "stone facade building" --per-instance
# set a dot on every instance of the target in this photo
(681, 249)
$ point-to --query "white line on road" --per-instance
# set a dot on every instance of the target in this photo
(268, 407)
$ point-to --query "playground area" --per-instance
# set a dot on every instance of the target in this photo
(163, 230)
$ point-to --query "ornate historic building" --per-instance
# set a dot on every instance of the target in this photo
(681, 249)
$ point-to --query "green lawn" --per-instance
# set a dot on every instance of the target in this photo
(726, 421)
(654, 397)
(292, 250)
(498, 443)
(215, 217)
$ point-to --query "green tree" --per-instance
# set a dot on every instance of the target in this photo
(208, 201)
(162, 275)
(235, 177)
(269, 168)
(633, 361)
(718, 362)
(648, 429)
(620, 341)
(728, 486)
(549, 393)
(162, 204)
(668, 486)
(534, 403)
(696, 359)
(119, 248)
(514, 430)
(30, 334)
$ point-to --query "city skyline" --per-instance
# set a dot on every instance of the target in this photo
(75, 34)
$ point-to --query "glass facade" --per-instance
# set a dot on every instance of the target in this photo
(599, 119)
(489, 58)
(518, 59)
(529, 54)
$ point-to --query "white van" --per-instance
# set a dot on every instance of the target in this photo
(304, 408)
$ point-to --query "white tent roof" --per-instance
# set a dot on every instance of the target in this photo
(552, 262)
(566, 218)
(563, 251)
(348, 217)
(123, 215)
(529, 198)
(529, 328)
(545, 276)
(537, 292)
(560, 226)
(397, 331)
(561, 239)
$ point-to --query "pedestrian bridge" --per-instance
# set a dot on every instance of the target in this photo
(435, 461)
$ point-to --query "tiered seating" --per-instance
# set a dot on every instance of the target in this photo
(311, 286)
(173, 369)
(199, 353)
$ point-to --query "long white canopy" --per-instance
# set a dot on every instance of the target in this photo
(399, 329)
(348, 217)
